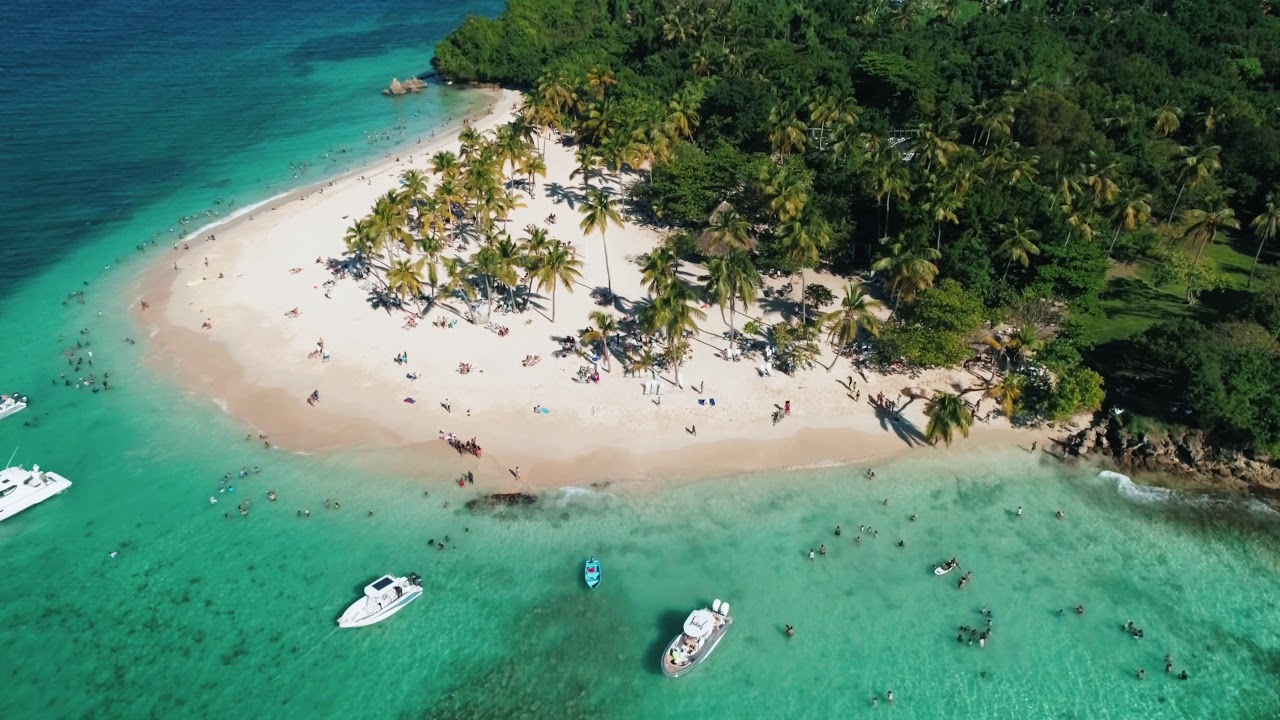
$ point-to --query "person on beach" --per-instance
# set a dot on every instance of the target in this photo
(786, 409)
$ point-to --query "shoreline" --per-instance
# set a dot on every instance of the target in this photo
(249, 363)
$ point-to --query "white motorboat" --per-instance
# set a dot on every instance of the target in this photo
(383, 598)
(10, 404)
(21, 488)
(703, 630)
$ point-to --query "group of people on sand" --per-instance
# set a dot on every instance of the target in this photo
(470, 447)
(313, 398)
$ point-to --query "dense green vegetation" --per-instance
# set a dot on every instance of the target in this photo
(1093, 183)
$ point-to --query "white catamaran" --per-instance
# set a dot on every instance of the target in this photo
(21, 488)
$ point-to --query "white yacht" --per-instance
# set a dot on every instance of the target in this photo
(383, 598)
(10, 404)
(703, 630)
(21, 488)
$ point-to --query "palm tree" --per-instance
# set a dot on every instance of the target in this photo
(599, 209)
(853, 315)
(1266, 226)
(446, 165)
(1197, 166)
(558, 268)
(891, 178)
(909, 265)
(404, 278)
(660, 269)
(802, 241)
(942, 200)
(413, 186)
(788, 191)
(787, 134)
(948, 415)
(672, 314)
(360, 239)
(492, 264)
(1020, 245)
(682, 116)
(1006, 393)
(388, 224)
(533, 165)
(728, 279)
(1201, 225)
(1102, 181)
(599, 81)
(431, 246)
(726, 232)
(469, 143)
(1167, 119)
(1132, 208)
(511, 259)
(605, 326)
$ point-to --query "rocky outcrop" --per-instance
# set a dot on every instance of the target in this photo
(497, 500)
(1187, 454)
(412, 85)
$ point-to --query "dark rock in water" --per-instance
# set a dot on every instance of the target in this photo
(1188, 455)
(501, 500)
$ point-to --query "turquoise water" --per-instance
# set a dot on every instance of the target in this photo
(201, 616)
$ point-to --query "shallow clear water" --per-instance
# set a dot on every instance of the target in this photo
(201, 616)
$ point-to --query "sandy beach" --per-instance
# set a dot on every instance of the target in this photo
(260, 365)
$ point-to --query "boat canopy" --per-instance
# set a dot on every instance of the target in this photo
(375, 588)
(699, 623)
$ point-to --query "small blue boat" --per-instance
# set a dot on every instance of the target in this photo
(592, 573)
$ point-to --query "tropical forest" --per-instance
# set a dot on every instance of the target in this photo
(1091, 189)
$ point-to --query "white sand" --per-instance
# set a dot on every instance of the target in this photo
(254, 359)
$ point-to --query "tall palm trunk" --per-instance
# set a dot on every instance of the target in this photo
(1006, 269)
(1114, 238)
(804, 305)
(1254, 269)
(1207, 238)
(608, 274)
(1176, 201)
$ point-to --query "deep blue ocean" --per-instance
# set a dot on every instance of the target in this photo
(127, 115)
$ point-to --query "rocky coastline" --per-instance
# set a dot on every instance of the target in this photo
(1187, 459)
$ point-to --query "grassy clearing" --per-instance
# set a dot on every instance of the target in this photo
(1132, 302)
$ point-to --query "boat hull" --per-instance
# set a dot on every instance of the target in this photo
(354, 618)
(27, 497)
(8, 410)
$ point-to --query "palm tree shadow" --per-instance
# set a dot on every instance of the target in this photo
(563, 195)
(906, 430)
(788, 309)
